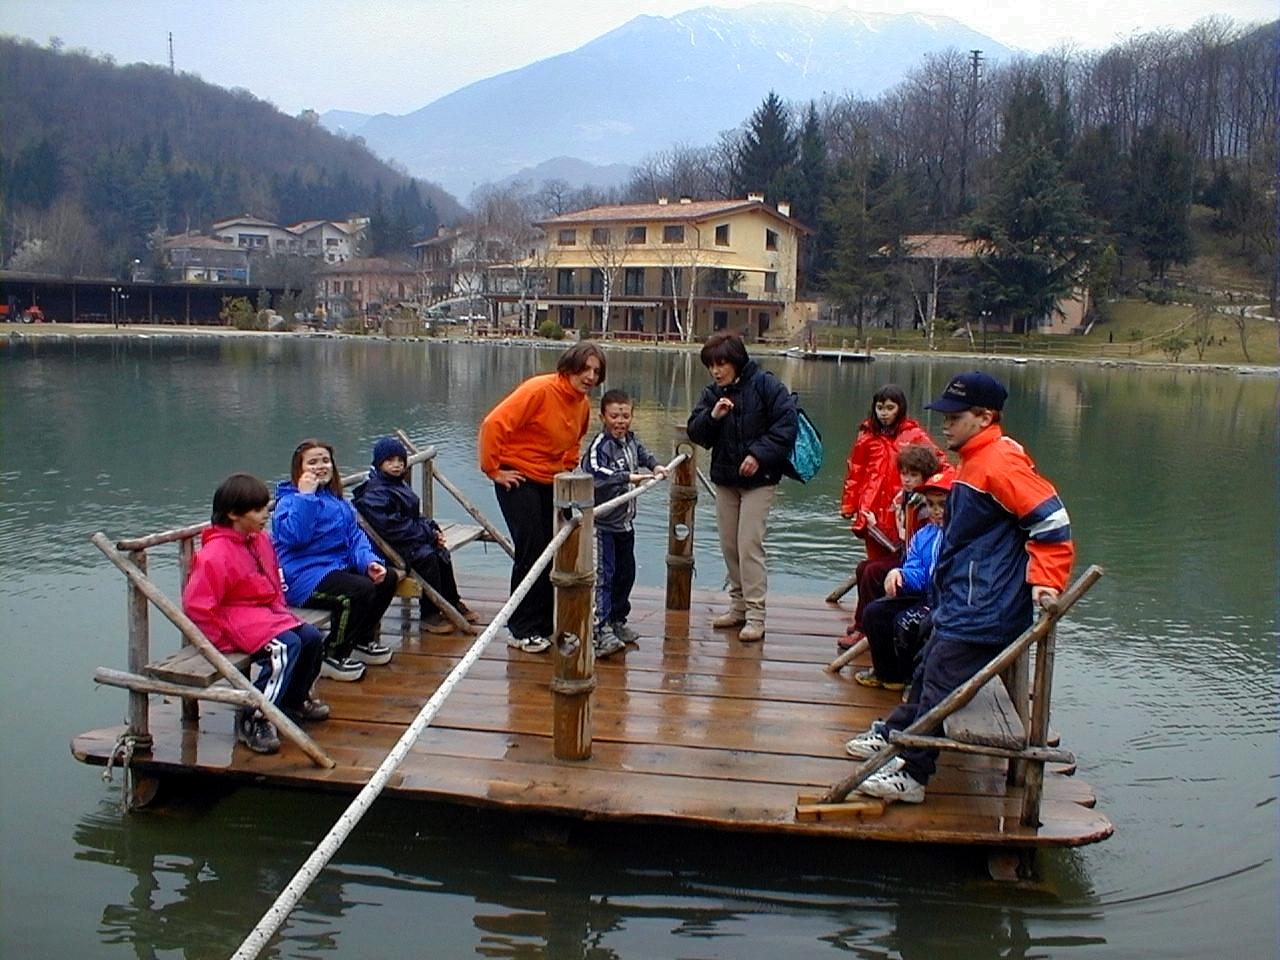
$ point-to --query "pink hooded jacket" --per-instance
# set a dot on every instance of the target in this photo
(234, 594)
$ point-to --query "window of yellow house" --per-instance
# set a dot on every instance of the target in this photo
(771, 282)
(673, 233)
(567, 238)
(637, 235)
(770, 240)
(600, 236)
(722, 235)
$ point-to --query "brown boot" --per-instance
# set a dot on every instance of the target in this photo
(752, 631)
(731, 618)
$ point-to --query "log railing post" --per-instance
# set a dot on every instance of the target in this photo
(1038, 730)
(186, 562)
(1016, 680)
(139, 656)
(573, 657)
(684, 500)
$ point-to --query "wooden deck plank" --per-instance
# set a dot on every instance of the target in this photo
(696, 729)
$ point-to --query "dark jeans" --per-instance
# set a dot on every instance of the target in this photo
(615, 575)
(437, 569)
(288, 665)
(871, 574)
(527, 508)
(893, 649)
(944, 665)
(357, 604)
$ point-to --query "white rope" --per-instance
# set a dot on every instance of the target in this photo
(640, 489)
(288, 899)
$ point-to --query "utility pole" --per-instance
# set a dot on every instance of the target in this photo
(970, 115)
(171, 51)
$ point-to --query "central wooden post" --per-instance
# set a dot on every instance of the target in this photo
(684, 500)
(574, 578)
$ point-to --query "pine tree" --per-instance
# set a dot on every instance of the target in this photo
(1160, 187)
(1034, 229)
(767, 154)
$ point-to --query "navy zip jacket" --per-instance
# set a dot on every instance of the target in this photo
(1006, 530)
(611, 463)
(394, 510)
(762, 423)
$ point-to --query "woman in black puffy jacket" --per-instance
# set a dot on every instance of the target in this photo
(747, 418)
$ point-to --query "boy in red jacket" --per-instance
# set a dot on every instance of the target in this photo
(235, 598)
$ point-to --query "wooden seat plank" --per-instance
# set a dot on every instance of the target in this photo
(189, 667)
(989, 719)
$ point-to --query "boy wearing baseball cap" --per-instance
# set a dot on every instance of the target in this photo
(1006, 549)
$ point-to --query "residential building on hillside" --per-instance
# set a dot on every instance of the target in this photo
(334, 240)
(364, 285)
(193, 258)
(942, 289)
(460, 263)
(669, 267)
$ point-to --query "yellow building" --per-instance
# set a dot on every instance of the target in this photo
(728, 264)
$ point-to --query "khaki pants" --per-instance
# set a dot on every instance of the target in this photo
(742, 517)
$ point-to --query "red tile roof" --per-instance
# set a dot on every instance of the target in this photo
(676, 211)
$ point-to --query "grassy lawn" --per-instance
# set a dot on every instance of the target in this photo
(1135, 330)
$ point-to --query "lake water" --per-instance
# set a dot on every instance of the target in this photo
(1166, 685)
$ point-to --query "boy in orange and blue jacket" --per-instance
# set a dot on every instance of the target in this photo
(1006, 549)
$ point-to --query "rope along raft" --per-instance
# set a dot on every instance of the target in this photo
(279, 911)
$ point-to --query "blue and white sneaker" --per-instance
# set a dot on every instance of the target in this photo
(868, 744)
(893, 784)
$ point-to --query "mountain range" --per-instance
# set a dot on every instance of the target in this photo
(652, 83)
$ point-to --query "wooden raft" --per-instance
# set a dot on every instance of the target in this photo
(698, 730)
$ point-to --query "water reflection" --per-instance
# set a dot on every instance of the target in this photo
(203, 874)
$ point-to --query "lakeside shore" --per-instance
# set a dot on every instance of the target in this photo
(19, 332)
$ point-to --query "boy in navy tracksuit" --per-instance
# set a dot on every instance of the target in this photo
(614, 460)
(1006, 549)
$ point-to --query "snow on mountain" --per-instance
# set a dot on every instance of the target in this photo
(653, 82)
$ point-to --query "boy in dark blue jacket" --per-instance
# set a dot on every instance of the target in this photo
(388, 502)
(614, 460)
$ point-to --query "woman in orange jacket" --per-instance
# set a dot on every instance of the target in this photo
(530, 436)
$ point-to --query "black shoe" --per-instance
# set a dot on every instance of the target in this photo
(256, 733)
(434, 622)
(341, 668)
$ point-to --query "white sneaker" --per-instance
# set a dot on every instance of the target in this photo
(752, 632)
(528, 644)
(606, 643)
(893, 785)
(868, 744)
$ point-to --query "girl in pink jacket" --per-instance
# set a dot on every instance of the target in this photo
(235, 598)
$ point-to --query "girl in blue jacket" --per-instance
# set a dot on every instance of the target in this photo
(328, 563)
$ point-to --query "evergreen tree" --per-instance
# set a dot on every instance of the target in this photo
(1160, 188)
(1098, 165)
(1033, 225)
(866, 216)
(806, 204)
(767, 154)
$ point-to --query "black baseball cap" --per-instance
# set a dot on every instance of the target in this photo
(973, 389)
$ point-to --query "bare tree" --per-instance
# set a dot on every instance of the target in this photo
(609, 251)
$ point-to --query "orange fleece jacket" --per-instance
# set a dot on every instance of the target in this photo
(536, 429)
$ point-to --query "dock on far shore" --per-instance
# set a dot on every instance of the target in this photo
(691, 728)
(838, 355)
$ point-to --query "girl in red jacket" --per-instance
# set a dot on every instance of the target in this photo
(235, 598)
(872, 479)
(870, 486)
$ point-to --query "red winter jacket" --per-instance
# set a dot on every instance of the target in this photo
(872, 480)
(234, 594)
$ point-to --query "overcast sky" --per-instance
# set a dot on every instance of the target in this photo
(375, 56)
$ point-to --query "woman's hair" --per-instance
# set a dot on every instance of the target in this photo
(918, 458)
(574, 360)
(238, 494)
(334, 485)
(890, 391)
(724, 347)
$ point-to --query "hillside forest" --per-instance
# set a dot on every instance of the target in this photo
(1100, 167)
